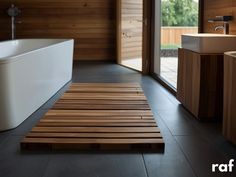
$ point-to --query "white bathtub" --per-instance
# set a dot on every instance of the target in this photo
(31, 72)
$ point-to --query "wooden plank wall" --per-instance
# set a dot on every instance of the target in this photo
(90, 22)
(214, 8)
(172, 35)
(132, 28)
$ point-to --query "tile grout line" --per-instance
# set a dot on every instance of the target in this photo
(186, 157)
(168, 95)
(202, 134)
(145, 165)
(47, 166)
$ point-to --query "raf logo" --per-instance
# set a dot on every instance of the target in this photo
(223, 167)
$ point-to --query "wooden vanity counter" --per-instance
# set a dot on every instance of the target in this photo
(229, 121)
(200, 84)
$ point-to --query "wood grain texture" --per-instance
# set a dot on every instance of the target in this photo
(129, 19)
(105, 117)
(214, 8)
(131, 29)
(91, 23)
(200, 84)
(188, 85)
(229, 121)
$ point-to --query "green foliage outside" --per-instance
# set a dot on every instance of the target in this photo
(169, 46)
(179, 13)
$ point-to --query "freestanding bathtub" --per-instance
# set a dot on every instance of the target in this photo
(31, 72)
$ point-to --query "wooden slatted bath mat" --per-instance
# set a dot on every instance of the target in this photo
(98, 116)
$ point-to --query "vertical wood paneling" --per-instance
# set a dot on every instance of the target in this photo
(229, 122)
(90, 22)
(200, 83)
(214, 8)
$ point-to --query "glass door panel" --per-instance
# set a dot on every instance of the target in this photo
(177, 17)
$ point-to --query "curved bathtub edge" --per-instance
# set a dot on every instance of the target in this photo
(31, 81)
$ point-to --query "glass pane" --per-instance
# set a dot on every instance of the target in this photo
(178, 17)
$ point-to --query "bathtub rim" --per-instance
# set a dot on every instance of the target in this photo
(13, 58)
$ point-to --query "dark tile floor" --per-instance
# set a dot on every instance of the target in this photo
(191, 146)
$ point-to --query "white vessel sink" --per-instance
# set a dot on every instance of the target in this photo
(209, 43)
(231, 54)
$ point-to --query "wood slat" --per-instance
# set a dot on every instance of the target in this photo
(105, 89)
(147, 145)
(97, 129)
(107, 85)
(102, 90)
(101, 107)
(98, 121)
(92, 141)
(76, 117)
(94, 135)
(95, 124)
(99, 113)
(104, 96)
(97, 117)
(102, 102)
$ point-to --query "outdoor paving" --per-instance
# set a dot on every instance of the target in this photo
(169, 67)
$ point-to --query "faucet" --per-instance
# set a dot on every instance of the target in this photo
(13, 11)
(225, 20)
(224, 27)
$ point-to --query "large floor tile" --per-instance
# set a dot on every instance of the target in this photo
(3, 136)
(13, 163)
(96, 165)
(172, 163)
(177, 122)
(201, 155)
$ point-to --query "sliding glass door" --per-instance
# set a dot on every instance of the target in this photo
(172, 19)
